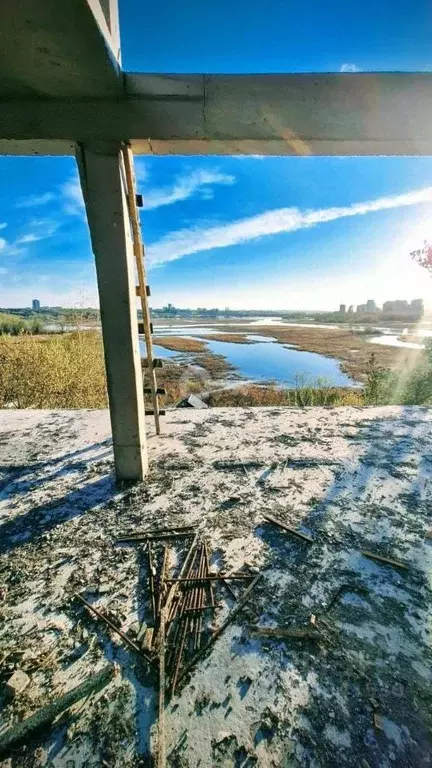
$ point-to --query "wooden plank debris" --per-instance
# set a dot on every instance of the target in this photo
(44, 716)
(385, 560)
(289, 529)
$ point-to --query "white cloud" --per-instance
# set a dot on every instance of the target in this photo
(187, 241)
(349, 68)
(3, 225)
(35, 200)
(186, 186)
(3, 243)
(72, 195)
(41, 229)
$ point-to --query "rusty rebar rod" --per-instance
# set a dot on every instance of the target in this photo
(207, 564)
(237, 608)
(221, 577)
(112, 626)
(151, 581)
(201, 602)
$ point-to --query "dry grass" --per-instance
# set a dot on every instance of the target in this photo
(234, 338)
(179, 344)
(61, 371)
(252, 395)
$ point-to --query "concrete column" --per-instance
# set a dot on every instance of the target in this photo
(103, 186)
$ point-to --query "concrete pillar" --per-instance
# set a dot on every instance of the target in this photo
(103, 186)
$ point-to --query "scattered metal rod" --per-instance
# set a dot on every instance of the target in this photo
(285, 632)
(174, 587)
(20, 731)
(237, 608)
(112, 626)
(153, 537)
(162, 580)
(184, 624)
(159, 531)
(201, 602)
(385, 560)
(220, 577)
(289, 528)
(151, 581)
(161, 753)
(207, 565)
(230, 589)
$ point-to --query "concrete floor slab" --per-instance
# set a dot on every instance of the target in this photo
(354, 479)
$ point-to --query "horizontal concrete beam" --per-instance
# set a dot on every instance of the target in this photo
(323, 114)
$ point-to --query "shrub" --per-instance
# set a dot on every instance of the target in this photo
(62, 371)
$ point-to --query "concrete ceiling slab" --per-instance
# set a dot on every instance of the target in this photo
(59, 49)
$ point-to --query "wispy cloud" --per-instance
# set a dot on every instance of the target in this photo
(186, 186)
(349, 68)
(40, 229)
(3, 225)
(3, 243)
(72, 196)
(188, 241)
(35, 200)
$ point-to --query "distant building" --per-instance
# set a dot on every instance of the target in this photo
(36, 305)
(342, 309)
(417, 306)
(351, 309)
(371, 306)
(361, 309)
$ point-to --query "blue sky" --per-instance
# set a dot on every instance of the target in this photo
(280, 233)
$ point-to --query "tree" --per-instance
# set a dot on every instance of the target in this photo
(423, 256)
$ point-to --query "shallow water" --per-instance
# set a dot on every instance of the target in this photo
(267, 360)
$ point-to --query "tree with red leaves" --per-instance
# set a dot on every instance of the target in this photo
(423, 256)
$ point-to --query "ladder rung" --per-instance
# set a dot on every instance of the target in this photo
(150, 412)
(141, 328)
(157, 362)
(139, 200)
(159, 391)
(138, 290)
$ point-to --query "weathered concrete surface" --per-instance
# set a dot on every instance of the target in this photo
(354, 479)
(366, 113)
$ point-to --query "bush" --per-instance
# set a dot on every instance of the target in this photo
(55, 372)
(318, 393)
(411, 386)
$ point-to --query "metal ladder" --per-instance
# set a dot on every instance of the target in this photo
(142, 289)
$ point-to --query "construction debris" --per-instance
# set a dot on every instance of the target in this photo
(47, 714)
(192, 402)
(301, 634)
(17, 683)
(294, 531)
(115, 629)
(385, 560)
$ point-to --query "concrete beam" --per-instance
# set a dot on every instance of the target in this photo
(59, 49)
(335, 114)
(104, 193)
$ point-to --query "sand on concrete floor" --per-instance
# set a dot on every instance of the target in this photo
(353, 479)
